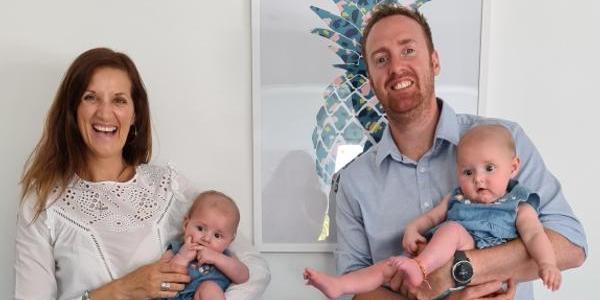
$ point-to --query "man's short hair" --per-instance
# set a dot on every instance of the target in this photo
(382, 11)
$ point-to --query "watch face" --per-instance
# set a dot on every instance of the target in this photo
(462, 272)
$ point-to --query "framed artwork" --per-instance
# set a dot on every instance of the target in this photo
(314, 111)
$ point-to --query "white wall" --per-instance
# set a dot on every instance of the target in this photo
(543, 73)
(195, 59)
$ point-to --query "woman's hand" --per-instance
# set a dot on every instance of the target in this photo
(145, 282)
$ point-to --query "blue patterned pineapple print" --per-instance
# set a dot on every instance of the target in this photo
(351, 114)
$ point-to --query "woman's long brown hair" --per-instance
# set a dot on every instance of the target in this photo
(61, 150)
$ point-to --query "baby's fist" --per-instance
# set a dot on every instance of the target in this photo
(551, 276)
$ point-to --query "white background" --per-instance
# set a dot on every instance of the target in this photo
(293, 69)
(195, 59)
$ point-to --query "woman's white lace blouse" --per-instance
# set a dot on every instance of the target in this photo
(95, 232)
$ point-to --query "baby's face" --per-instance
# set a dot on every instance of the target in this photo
(484, 169)
(210, 228)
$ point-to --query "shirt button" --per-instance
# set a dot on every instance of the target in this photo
(422, 170)
(426, 205)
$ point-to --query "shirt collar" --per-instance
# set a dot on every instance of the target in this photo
(386, 147)
(447, 129)
(447, 126)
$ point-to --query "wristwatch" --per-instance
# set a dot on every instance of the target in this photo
(461, 272)
(462, 269)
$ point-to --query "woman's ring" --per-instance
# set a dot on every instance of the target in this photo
(165, 286)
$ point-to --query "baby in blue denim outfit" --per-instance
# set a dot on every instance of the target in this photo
(488, 209)
(209, 228)
(490, 224)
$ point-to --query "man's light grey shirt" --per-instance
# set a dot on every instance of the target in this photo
(381, 191)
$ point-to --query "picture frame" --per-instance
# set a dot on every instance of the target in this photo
(291, 70)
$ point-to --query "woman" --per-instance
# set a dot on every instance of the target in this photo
(95, 217)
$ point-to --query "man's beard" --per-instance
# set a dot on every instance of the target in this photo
(419, 99)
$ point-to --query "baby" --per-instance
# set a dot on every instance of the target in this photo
(489, 208)
(209, 228)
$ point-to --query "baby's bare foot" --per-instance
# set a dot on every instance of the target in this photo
(328, 285)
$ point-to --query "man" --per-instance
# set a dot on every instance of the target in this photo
(413, 167)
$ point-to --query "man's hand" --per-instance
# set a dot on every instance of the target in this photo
(398, 285)
(489, 291)
(437, 282)
(440, 281)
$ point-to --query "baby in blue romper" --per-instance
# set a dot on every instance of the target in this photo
(209, 228)
(488, 208)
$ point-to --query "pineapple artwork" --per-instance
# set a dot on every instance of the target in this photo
(351, 119)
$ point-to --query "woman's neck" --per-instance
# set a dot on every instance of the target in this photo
(106, 169)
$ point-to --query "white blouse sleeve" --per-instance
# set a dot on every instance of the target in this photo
(260, 275)
(34, 263)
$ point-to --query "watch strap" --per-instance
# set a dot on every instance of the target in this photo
(460, 258)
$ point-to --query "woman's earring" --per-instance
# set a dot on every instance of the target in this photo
(132, 133)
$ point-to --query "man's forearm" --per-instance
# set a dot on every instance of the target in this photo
(380, 293)
(512, 260)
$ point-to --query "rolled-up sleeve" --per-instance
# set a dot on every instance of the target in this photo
(352, 249)
(555, 212)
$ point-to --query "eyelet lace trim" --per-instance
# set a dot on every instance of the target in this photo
(115, 206)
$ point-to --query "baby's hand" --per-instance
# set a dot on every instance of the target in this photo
(188, 249)
(551, 276)
(411, 240)
(187, 253)
(207, 256)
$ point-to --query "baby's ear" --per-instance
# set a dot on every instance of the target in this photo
(516, 166)
(185, 222)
